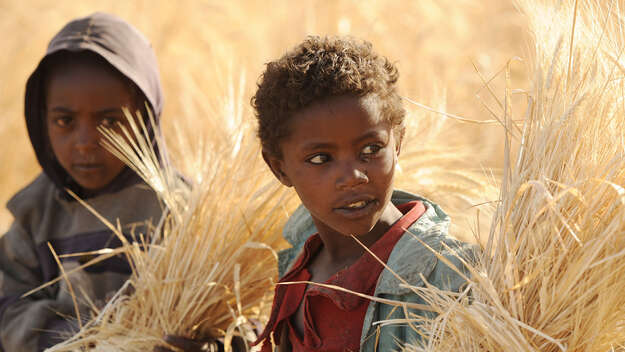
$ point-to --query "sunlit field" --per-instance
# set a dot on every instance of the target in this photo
(211, 53)
(515, 120)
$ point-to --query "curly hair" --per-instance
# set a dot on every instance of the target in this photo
(315, 70)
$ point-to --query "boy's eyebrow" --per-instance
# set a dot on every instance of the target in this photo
(318, 145)
(368, 135)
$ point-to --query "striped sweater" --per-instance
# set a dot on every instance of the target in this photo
(44, 217)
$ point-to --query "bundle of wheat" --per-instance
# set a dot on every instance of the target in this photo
(551, 276)
(209, 265)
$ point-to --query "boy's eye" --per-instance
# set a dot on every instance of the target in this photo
(371, 149)
(318, 159)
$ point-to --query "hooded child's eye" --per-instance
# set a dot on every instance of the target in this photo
(62, 121)
(109, 122)
(318, 159)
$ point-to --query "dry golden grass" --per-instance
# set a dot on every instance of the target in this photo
(551, 278)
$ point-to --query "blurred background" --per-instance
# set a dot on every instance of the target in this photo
(212, 52)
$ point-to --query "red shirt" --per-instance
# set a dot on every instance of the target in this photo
(333, 319)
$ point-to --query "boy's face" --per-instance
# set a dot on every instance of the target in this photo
(340, 157)
(79, 98)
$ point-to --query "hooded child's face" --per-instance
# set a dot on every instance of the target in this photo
(81, 96)
(340, 157)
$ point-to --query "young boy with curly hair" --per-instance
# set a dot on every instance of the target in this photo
(93, 67)
(331, 125)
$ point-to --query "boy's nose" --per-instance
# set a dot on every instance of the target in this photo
(351, 176)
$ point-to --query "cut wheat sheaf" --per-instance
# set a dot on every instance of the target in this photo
(551, 276)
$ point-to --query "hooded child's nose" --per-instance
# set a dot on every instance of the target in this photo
(87, 138)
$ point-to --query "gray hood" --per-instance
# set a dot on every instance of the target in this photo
(126, 50)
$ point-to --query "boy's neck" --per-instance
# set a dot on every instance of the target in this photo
(341, 249)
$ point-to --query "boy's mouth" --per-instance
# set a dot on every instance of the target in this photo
(356, 208)
(356, 205)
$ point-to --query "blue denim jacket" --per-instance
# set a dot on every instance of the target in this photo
(409, 259)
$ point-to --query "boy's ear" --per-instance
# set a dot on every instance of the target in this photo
(275, 164)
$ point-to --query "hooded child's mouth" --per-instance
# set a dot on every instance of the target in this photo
(87, 167)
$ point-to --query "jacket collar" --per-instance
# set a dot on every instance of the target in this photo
(410, 258)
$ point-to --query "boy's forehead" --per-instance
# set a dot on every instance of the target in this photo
(351, 115)
(370, 104)
(305, 119)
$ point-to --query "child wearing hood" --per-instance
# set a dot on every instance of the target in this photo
(92, 68)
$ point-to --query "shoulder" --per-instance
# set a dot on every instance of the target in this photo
(415, 260)
(450, 272)
(426, 251)
(299, 227)
(34, 196)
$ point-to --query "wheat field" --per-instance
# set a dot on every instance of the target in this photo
(549, 276)
(210, 54)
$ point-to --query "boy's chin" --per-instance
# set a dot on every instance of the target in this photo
(358, 230)
(342, 229)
